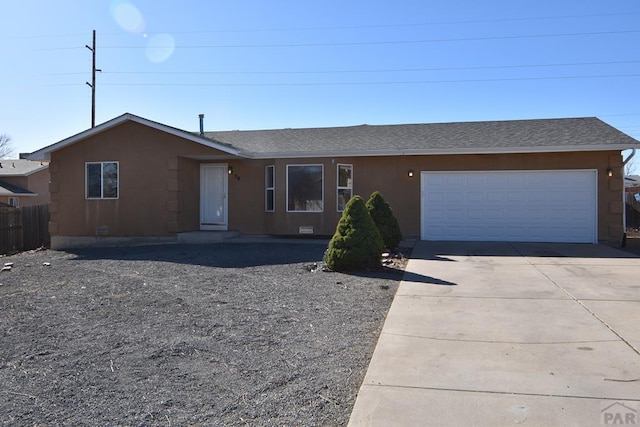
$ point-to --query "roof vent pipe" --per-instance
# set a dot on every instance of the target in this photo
(201, 124)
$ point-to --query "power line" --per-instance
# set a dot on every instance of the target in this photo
(382, 42)
(381, 83)
(397, 82)
(404, 82)
(349, 27)
(384, 70)
(399, 25)
(362, 43)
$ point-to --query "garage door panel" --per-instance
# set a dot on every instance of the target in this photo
(474, 196)
(537, 196)
(436, 197)
(553, 206)
(495, 196)
(475, 215)
(516, 197)
(493, 214)
(455, 197)
(558, 197)
(455, 214)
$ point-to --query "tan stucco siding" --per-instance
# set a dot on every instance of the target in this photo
(150, 186)
(322, 223)
(246, 196)
(159, 184)
(403, 193)
(187, 205)
(38, 183)
(389, 176)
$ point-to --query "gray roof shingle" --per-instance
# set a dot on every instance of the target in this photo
(515, 136)
(20, 167)
(438, 138)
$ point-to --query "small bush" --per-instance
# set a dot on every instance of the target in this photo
(356, 244)
(384, 220)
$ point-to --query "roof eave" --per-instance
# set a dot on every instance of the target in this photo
(23, 174)
(11, 194)
(433, 152)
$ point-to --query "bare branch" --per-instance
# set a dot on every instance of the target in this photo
(6, 150)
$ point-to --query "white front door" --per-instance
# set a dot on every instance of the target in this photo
(213, 197)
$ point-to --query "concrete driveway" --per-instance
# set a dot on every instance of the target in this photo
(491, 334)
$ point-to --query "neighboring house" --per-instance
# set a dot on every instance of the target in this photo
(632, 199)
(133, 180)
(24, 182)
(632, 183)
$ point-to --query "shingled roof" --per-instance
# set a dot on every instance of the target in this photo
(516, 136)
(20, 167)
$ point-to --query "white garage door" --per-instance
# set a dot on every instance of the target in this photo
(525, 206)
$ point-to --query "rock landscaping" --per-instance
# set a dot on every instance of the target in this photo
(224, 334)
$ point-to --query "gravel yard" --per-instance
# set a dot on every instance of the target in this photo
(223, 334)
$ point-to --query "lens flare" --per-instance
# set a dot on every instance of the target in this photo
(128, 17)
(160, 47)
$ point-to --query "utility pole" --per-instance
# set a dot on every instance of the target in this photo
(92, 85)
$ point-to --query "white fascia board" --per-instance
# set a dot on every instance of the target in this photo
(7, 193)
(45, 153)
(21, 175)
(520, 150)
(423, 152)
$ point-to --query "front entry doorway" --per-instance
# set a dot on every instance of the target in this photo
(213, 196)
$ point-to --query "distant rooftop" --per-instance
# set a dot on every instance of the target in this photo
(632, 181)
(20, 167)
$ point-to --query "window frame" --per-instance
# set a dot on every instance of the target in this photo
(321, 187)
(86, 180)
(338, 187)
(271, 188)
(14, 201)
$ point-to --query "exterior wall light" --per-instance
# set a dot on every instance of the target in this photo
(609, 172)
(410, 173)
(232, 173)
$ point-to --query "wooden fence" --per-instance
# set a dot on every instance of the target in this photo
(633, 211)
(10, 230)
(23, 229)
(35, 224)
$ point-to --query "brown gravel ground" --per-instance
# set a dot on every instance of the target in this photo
(223, 334)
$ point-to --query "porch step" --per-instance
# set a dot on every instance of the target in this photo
(206, 236)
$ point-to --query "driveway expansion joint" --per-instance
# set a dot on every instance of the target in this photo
(508, 393)
(635, 350)
(499, 342)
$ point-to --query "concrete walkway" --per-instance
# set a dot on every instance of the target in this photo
(493, 334)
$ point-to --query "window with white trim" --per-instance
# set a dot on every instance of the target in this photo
(101, 180)
(269, 188)
(14, 201)
(305, 189)
(345, 185)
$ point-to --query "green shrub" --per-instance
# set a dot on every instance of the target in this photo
(384, 219)
(356, 243)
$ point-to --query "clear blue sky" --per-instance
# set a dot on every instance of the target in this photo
(249, 64)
